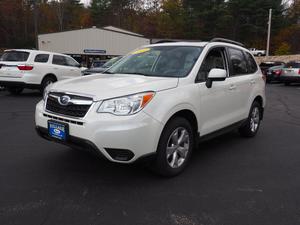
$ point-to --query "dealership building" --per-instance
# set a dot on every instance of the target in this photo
(86, 45)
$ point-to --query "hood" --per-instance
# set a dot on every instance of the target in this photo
(114, 85)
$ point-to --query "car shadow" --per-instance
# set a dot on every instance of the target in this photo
(82, 163)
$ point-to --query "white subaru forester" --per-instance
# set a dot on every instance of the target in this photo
(158, 101)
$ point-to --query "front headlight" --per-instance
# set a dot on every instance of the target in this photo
(127, 105)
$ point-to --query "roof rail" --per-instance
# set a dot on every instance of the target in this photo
(227, 41)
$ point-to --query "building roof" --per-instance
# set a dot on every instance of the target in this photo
(107, 28)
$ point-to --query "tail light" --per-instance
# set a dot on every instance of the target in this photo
(278, 72)
(299, 71)
(25, 67)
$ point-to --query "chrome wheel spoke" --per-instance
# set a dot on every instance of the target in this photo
(177, 147)
(182, 151)
(255, 119)
(171, 150)
(174, 161)
(175, 137)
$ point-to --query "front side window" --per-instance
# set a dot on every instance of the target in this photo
(238, 62)
(162, 61)
(59, 60)
(41, 58)
(215, 59)
(15, 56)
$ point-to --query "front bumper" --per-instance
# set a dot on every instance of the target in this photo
(122, 139)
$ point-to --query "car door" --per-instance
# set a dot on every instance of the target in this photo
(242, 81)
(215, 105)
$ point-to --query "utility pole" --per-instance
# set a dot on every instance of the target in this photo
(269, 32)
(35, 17)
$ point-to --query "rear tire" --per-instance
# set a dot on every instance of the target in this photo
(15, 90)
(287, 83)
(175, 148)
(252, 124)
(47, 81)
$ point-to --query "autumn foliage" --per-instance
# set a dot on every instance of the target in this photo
(241, 20)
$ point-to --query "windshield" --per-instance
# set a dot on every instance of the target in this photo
(163, 61)
(111, 62)
(14, 56)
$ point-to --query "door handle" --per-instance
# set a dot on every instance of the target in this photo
(252, 82)
(232, 87)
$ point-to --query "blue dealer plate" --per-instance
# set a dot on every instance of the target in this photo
(58, 130)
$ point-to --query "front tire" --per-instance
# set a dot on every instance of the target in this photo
(175, 147)
(252, 124)
(15, 90)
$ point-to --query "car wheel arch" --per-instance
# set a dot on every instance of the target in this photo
(187, 114)
(49, 75)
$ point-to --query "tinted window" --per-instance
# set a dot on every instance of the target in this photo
(238, 62)
(252, 67)
(71, 62)
(59, 60)
(15, 56)
(41, 58)
(293, 65)
(213, 60)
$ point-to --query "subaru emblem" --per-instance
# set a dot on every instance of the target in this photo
(64, 100)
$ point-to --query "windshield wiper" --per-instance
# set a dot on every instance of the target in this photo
(107, 72)
(135, 73)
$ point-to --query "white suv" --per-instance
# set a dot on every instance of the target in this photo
(158, 101)
(34, 69)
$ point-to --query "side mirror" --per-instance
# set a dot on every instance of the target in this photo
(215, 75)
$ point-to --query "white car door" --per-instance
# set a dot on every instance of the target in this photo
(215, 105)
(242, 79)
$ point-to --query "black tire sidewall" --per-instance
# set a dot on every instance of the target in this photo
(245, 130)
(161, 165)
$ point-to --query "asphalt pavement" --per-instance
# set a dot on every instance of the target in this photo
(230, 180)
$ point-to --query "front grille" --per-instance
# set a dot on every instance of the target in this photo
(63, 120)
(77, 107)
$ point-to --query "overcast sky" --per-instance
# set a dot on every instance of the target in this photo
(86, 2)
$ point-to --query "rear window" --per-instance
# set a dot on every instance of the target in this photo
(15, 56)
(41, 58)
(293, 65)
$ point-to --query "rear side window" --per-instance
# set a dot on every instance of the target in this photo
(15, 56)
(293, 65)
(41, 58)
(238, 62)
(71, 62)
(252, 66)
(59, 60)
